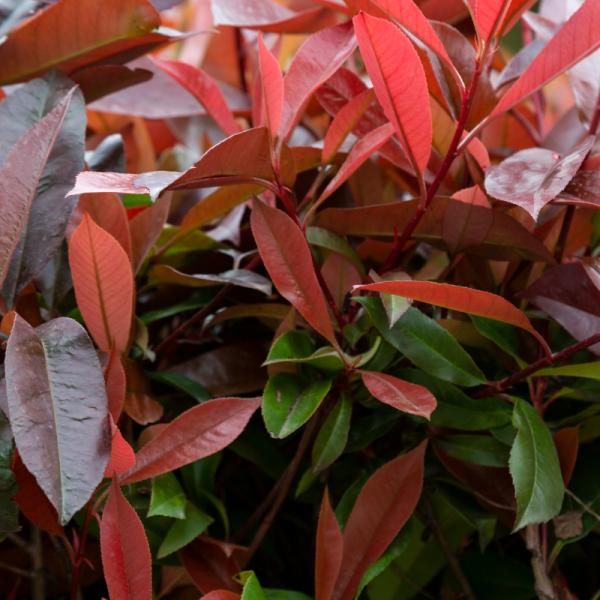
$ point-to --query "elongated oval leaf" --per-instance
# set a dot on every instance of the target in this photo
(567, 447)
(329, 551)
(402, 92)
(59, 411)
(382, 508)
(19, 178)
(272, 86)
(122, 457)
(488, 16)
(405, 396)
(332, 438)
(534, 468)
(198, 432)
(481, 450)
(103, 284)
(473, 302)
(125, 551)
(279, 239)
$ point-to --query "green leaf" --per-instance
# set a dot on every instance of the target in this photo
(393, 551)
(9, 511)
(346, 504)
(199, 300)
(181, 382)
(252, 589)
(505, 434)
(502, 334)
(288, 402)
(455, 409)
(395, 306)
(168, 498)
(426, 344)
(185, 530)
(317, 236)
(534, 468)
(333, 436)
(588, 370)
(257, 446)
(478, 449)
(370, 428)
(297, 347)
(306, 482)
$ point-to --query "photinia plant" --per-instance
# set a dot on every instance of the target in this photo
(300, 300)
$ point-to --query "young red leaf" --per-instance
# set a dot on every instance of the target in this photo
(272, 86)
(567, 446)
(403, 395)
(288, 260)
(340, 275)
(58, 410)
(139, 403)
(114, 378)
(316, 61)
(90, 182)
(382, 508)
(578, 37)
(454, 297)
(125, 551)
(103, 284)
(488, 16)
(19, 178)
(198, 432)
(344, 122)
(402, 92)
(329, 551)
(204, 89)
(221, 595)
(32, 501)
(122, 456)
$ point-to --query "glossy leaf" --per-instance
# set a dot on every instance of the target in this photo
(31, 49)
(103, 284)
(402, 94)
(181, 382)
(122, 457)
(395, 306)
(199, 432)
(316, 236)
(479, 449)
(332, 438)
(381, 510)
(55, 278)
(125, 552)
(168, 498)
(19, 177)
(114, 378)
(474, 302)
(426, 344)
(204, 89)
(288, 403)
(272, 87)
(567, 446)
(329, 551)
(534, 468)
(317, 60)
(403, 395)
(59, 419)
(277, 238)
(503, 334)
(185, 530)
(139, 403)
(488, 16)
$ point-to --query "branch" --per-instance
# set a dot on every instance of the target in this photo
(507, 382)
(543, 585)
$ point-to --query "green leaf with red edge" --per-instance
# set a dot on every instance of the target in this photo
(567, 446)
(114, 378)
(288, 260)
(103, 283)
(488, 16)
(117, 26)
(204, 89)
(125, 552)
(317, 60)
(402, 92)
(384, 505)
(344, 122)
(19, 178)
(272, 87)
(403, 395)
(32, 501)
(330, 547)
(578, 38)
(59, 411)
(462, 299)
(198, 432)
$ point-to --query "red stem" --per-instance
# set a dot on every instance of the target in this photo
(81, 548)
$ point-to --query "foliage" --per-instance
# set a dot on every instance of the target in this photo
(307, 288)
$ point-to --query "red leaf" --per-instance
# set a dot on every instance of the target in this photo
(32, 501)
(205, 90)
(402, 92)
(382, 508)
(272, 86)
(103, 284)
(209, 567)
(454, 297)
(114, 377)
(340, 275)
(288, 260)
(403, 395)
(122, 456)
(125, 551)
(315, 62)
(488, 16)
(579, 37)
(329, 551)
(567, 445)
(90, 182)
(344, 122)
(221, 595)
(198, 432)
(19, 178)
